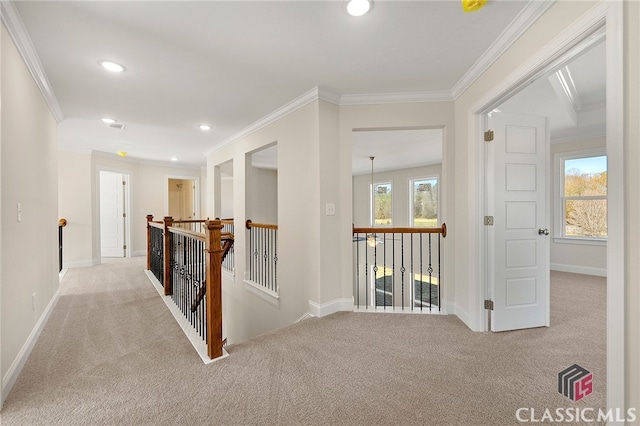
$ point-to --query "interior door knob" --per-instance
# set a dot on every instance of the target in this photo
(542, 231)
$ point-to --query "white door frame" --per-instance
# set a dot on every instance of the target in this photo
(127, 210)
(606, 15)
(196, 192)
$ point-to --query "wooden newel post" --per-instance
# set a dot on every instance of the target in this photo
(149, 219)
(213, 249)
(168, 284)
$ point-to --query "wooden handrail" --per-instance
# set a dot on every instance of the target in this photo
(156, 224)
(250, 225)
(441, 230)
(190, 221)
(197, 235)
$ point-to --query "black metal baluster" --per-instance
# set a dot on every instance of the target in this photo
(430, 270)
(413, 278)
(402, 267)
(421, 284)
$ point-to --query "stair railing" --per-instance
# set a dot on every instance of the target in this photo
(191, 272)
(398, 268)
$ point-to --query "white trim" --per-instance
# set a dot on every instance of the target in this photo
(18, 363)
(263, 293)
(396, 98)
(192, 335)
(297, 103)
(527, 17)
(127, 175)
(575, 269)
(323, 309)
(304, 317)
(581, 241)
(133, 160)
(139, 253)
(559, 159)
(62, 273)
(12, 20)
(396, 310)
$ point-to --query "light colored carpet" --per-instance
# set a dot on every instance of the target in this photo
(112, 354)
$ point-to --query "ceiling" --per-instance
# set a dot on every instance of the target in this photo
(232, 63)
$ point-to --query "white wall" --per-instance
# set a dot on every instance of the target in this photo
(632, 198)
(29, 278)
(74, 204)
(297, 218)
(261, 195)
(401, 189)
(571, 257)
(78, 189)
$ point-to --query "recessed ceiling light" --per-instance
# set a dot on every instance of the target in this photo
(205, 127)
(174, 159)
(111, 66)
(108, 120)
(358, 7)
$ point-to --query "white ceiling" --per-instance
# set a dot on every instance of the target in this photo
(231, 63)
(578, 111)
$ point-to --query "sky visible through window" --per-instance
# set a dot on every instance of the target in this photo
(587, 165)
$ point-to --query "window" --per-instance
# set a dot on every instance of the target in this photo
(424, 202)
(382, 204)
(582, 205)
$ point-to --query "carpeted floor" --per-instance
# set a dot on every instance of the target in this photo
(112, 354)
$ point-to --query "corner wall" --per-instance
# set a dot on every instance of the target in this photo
(29, 244)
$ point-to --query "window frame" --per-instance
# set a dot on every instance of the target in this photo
(372, 219)
(411, 200)
(559, 198)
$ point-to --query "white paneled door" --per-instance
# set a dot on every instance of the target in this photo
(112, 214)
(518, 255)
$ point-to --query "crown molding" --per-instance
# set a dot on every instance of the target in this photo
(396, 98)
(530, 14)
(302, 100)
(13, 22)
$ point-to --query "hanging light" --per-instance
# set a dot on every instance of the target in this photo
(372, 240)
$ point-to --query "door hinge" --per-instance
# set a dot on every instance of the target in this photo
(124, 215)
(488, 136)
(124, 247)
(488, 304)
(124, 182)
(488, 220)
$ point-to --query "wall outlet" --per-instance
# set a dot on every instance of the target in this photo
(330, 209)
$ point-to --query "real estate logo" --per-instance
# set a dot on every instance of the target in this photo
(575, 382)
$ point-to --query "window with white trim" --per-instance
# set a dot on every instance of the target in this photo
(381, 202)
(424, 201)
(581, 201)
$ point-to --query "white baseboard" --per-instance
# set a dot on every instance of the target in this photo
(16, 366)
(192, 335)
(81, 263)
(304, 317)
(575, 269)
(139, 253)
(328, 308)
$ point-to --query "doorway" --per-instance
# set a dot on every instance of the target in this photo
(114, 217)
(608, 16)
